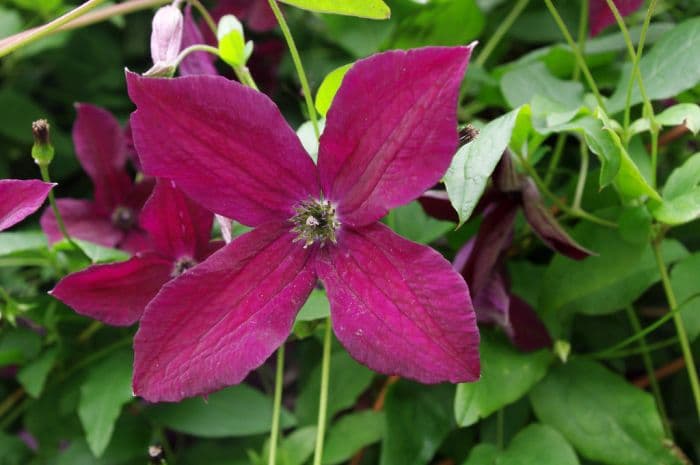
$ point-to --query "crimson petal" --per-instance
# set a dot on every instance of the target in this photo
(116, 293)
(82, 221)
(391, 131)
(601, 16)
(223, 318)
(399, 307)
(177, 226)
(225, 145)
(19, 199)
(546, 226)
(197, 62)
(101, 147)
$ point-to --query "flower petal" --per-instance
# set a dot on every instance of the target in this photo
(528, 331)
(478, 259)
(493, 302)
(399, 307)
(82, 221)
(391, 131)
(19, 199)
(116, 293)
(436, 204)
(223, 318)
(546, 226)
(225, 145)
(177, 226)
(601, 16)
(196, 62)
(101, 148)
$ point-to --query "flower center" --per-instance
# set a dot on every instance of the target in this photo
(315, 221)
(181, 265)
(123, 218)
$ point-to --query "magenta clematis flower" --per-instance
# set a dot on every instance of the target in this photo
(117, 293)
(112, 219)
(396, 306)
(482, 260)
(600, 16)
(19, 199)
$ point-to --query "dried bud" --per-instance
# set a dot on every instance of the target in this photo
(467, 134)
(155, 454)
(42, 151)
(166, 36)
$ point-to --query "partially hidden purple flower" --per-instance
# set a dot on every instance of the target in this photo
(111, 220)
(482, 260)
(601, 16)
(19, 199)
(396, 306)
(117, 293)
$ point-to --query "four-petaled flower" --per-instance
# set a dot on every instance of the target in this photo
(396, 306)
(19, 199)
(112, 219)
(117, 293)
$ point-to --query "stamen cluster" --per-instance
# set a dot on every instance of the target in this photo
(315, 221)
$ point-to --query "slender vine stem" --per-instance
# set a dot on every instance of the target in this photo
(576, 51)
(277, 406)
(297, 65)
(556, 157)
(500, 32)
(583, 172)
(680, 327)
(637, 350)
(205, 14)
(649, 367)
(323, 398)
(582, 33)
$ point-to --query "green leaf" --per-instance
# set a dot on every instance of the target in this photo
(298, 447)
(672, 66)
(371, 9)
(418, 419)
(33, 375)
(411, 222)
(308, 138)
(602, 415)
(18, 346)
(506, 375)
(351, 433)
(535, 445)
(356, 36)
(348, 379)
(236, 411)
(681, 199)
(330, 85)
(96, 253)
(316, 307)
(14, 451)
(602, 284)
(12, 242)
(684, 279)
(105, 390)
(467, 176)
(687, 114)
(523, 83)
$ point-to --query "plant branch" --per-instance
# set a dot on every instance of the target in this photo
(500, 32)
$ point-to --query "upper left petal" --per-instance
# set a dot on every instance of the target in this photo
(225, 145)
(391, 131)
(399, 307)
(19, 199)
(223, 318)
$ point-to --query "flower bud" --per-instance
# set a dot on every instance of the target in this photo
(232, 47)
(166, 36)
(42, 151)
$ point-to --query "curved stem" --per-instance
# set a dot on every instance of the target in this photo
(583, 172)
(649, 367)
(577, 53)
(297, 65)
(195, 48)
(680, 327)
(277, 406)
(582, 28)
(556, 156)
(205, 15)
(323, 398)
(500, 32)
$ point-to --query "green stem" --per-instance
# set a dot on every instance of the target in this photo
(582, 34)
(500, 32)
(6, 262)
(575, 212)
(205, 15)
(649, 367)
(577, 53)
(323, 399)
(556, 156)
(680, 328)
(243, 75)
(195, 48)
(583, 172)
(47, 29)
(88, 332)
(277, 406)
(636, 351)
(297, 65)
(499, 428)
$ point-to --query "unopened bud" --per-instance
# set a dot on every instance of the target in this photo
(232, 46)
(42, 151)
(166, 36)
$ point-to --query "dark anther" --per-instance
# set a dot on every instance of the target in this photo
(40, 130)
(181, 265)
(123, 218)
(156, 454)
(467, 134)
